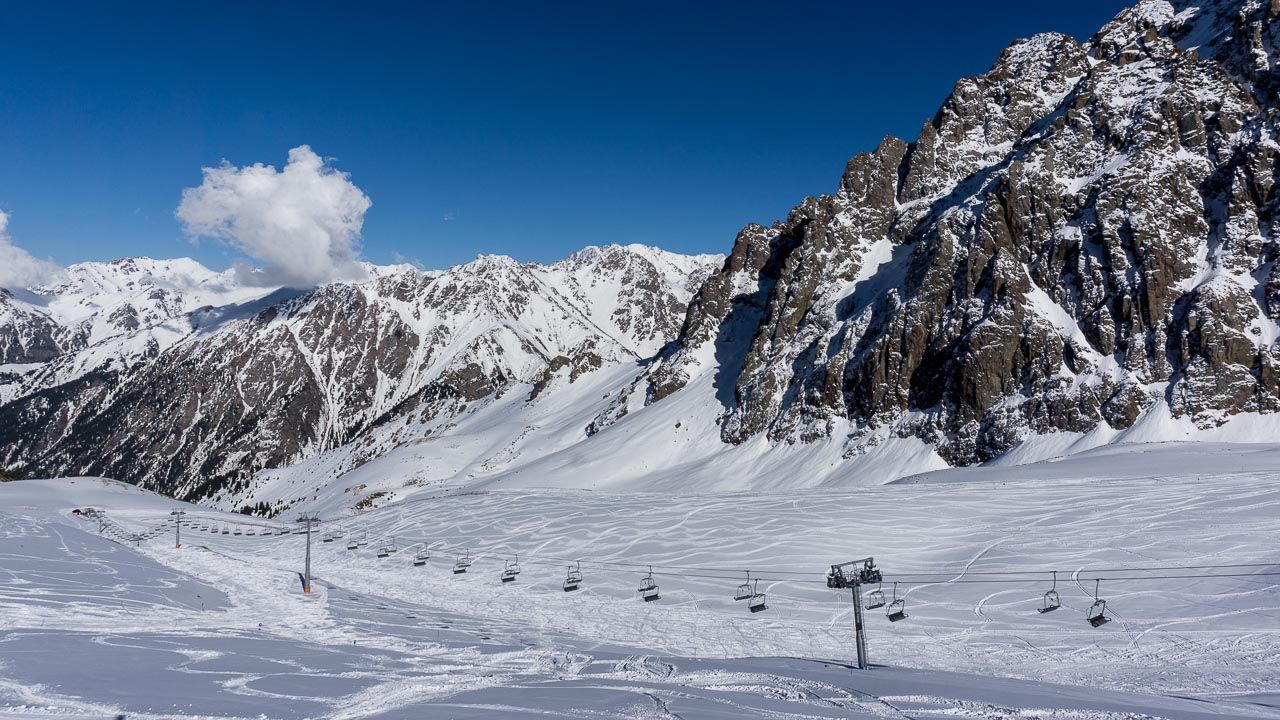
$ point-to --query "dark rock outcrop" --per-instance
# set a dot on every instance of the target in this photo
(1082, 231)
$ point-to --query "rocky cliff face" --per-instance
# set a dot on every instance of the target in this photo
(1081, 232)
(191, 400)
(1080, 239)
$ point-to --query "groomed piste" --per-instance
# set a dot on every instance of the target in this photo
(1186, 564)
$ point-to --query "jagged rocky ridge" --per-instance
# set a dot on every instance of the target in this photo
(194, 398)
(1083, 231)
(1080, 238)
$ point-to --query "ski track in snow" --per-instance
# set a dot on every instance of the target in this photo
(220, 628)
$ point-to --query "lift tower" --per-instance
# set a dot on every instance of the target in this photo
(852, 575)
(177, 528)
(308, 519)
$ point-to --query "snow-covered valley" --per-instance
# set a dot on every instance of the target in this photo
(219, 628)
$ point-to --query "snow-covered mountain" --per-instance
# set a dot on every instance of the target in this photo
(1081, 240)
(170, 375)
(1079, 248)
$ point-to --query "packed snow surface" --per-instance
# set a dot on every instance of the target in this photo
(123, 622)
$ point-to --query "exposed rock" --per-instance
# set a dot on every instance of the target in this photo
(1077, 226)
(190, 404)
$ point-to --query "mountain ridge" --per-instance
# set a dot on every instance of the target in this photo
(202, 396)
(1079, 248)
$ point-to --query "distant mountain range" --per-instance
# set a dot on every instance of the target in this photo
(173, 376)
(1079, 248)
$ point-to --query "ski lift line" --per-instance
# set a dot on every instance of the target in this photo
(547, 559)
(1108, 578)
(700, 572)
(962, 571)
(954, 577)
(551, 560)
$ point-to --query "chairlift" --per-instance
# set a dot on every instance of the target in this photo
(282, 531)
(352, 545)
(574, 577)
(226, 530)
(744, 591)
(463, 562)
(421, 558)
(337, 534)
(756, 603)
(648, 587)
(1051, 600)
(237, 531)
(1097, 613)
(897, 609)
(328, 537)
(875, 598)
(364, 539)
(251, 531)
(511, 570)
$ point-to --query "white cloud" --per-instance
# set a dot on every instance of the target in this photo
(19, 268)
(302, 222)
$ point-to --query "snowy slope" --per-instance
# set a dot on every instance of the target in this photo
(384, 638)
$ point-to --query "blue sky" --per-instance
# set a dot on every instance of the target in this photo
(526, 129)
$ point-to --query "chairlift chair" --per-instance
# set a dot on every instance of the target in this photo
(875, 598)
(463, 562)
(1097, 612)
(511, 570)
(226, 530)
(364, 539)
(574, 577)
(328, 537)
(744, 591)
(337, 534)
(1051, 600)
(422, 557)
(756, 603)
(648, 587)
(251, 532)
(237, 531)
(897, 609)
(352, 544)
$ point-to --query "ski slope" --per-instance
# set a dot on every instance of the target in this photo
(90, 626)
